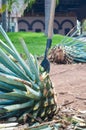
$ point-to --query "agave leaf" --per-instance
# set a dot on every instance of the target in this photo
(35, 86)
(8, 125)
(9, 128)
(17, 82)
(6, 37)
(23, 93)
(36, 95)
(7, 102)
(10, 51)
(9, 114)
(7, 48)
(14, 96)
(12, 80)
(30, 61)
(19, 106)
(77, 60)
(66, 38)
(36, 63)
(10, 87)
(11, 65)
(18, 57)
(15, 56)
(5, 87)
(73, 40)
(5, 70)
(27, 94)
(38, 127)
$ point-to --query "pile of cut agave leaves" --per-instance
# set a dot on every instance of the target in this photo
(70, 50)
(27, 100)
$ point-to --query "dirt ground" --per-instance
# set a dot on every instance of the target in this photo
(70, 84)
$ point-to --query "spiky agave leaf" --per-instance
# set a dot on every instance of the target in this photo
(26, 90)
(70, 50)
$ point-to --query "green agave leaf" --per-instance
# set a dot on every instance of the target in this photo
(19, 106)
(30, 61)
(5, 87)
(8, 114)
(18, 57)
(8, 125)
(22, 75)
(66, 38)
(14, 96)
(11, 65)
(5, 70)
(17, 82)
(80, 60)
(73, 41)
(36, 63)
(35, 86)
(6, 37)
(10, 87)
(13, 80)
(38, 127)
(7, 102)
(36, 95)
(23, 93)
(7, 48)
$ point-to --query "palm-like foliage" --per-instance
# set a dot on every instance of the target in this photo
(30, 2)
(26, 90)
(7, 5)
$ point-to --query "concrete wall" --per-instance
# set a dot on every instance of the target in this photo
(37, 24)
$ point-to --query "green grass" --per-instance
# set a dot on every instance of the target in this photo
(36, 42)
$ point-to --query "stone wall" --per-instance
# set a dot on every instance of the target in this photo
(62, 25)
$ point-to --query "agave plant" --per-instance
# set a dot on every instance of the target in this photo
(26, 91)
(70, 50)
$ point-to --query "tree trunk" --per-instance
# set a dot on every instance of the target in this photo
(8, 21)
(4, 19)
(47, 15)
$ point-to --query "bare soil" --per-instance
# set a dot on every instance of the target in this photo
(70, 84)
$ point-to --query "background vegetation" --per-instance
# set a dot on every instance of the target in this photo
(36, 42)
